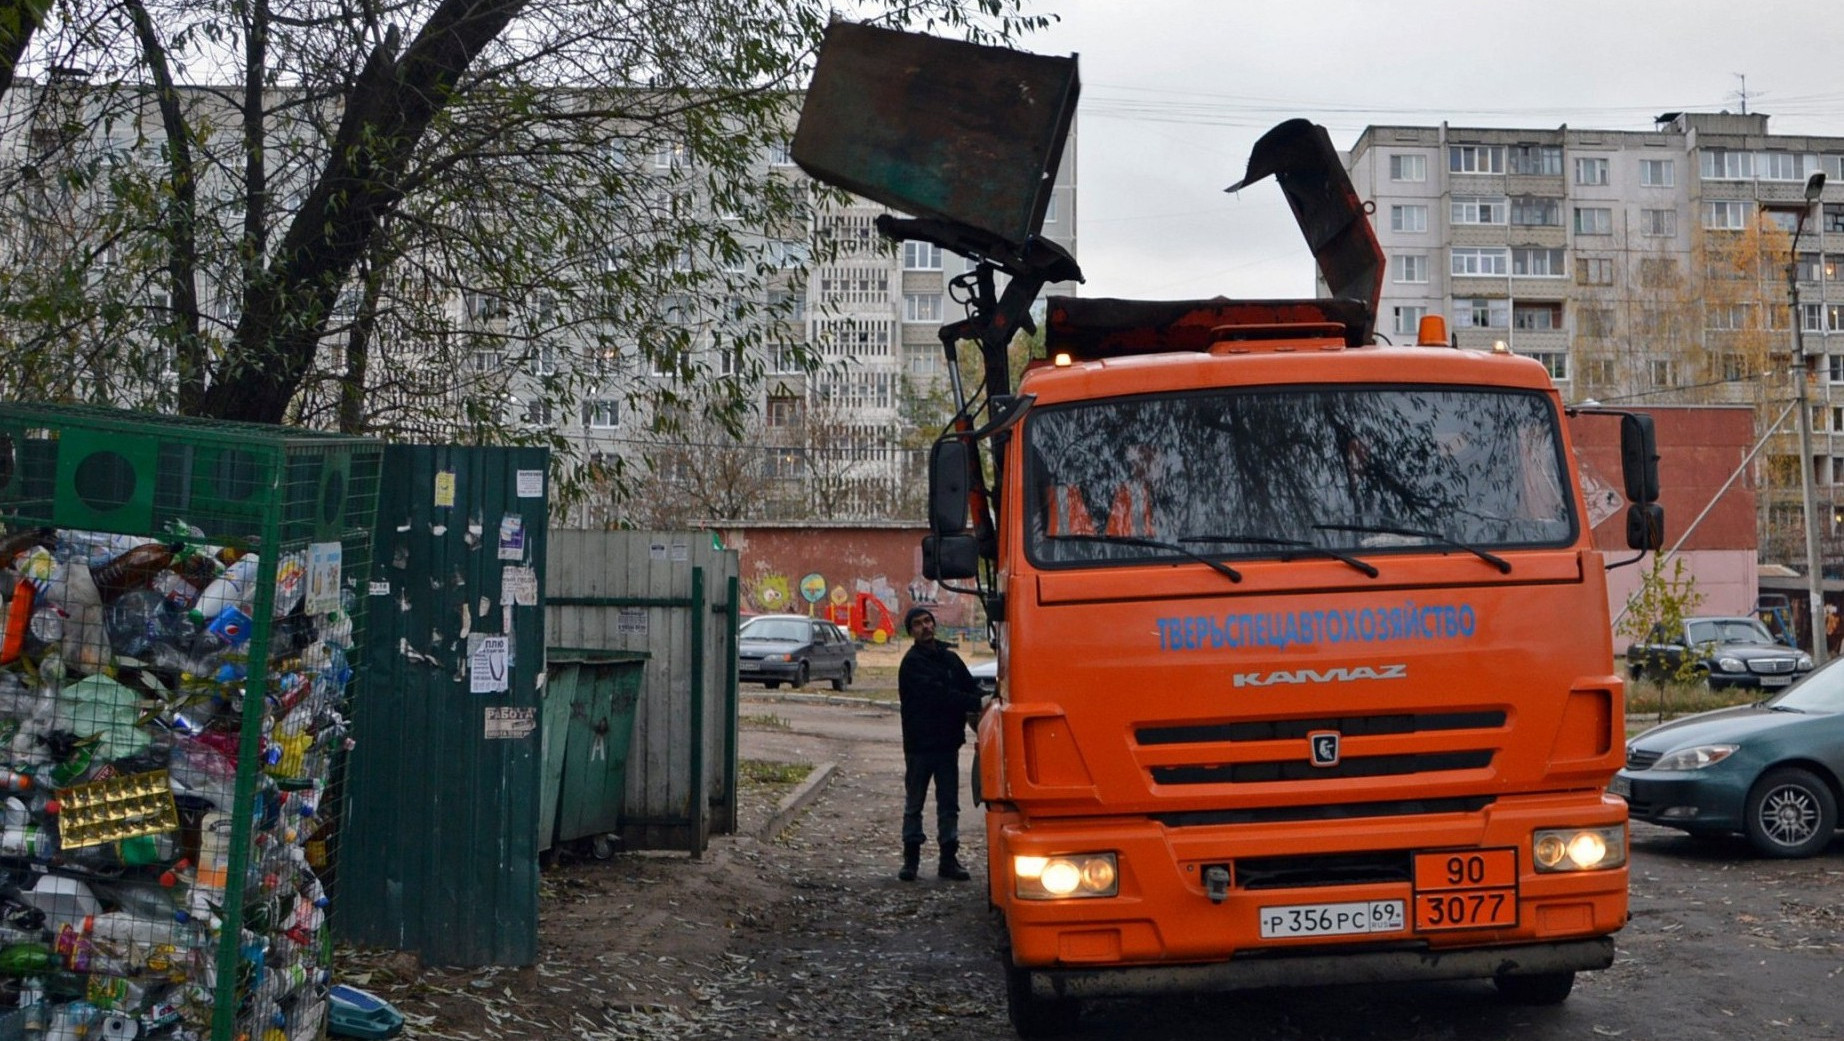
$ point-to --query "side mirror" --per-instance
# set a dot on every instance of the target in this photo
(1645, 527)
(1639, 458)
(947, 557)
(949, 465)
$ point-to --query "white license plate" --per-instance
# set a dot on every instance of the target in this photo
(1620, 786)
(1349, 919)
(1775, 681)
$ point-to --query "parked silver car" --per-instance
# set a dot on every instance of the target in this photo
(773, 649)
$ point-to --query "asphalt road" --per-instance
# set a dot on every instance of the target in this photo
(1721, 945)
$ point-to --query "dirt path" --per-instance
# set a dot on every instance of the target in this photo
(810, 936)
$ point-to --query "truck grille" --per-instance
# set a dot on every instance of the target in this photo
(1326, 812)
(1225, 767)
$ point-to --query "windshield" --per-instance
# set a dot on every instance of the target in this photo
(1823, 691)
(1253, 473)
(1727, 630)
(790, 629)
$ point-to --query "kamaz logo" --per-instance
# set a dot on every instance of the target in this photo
(1340, 675)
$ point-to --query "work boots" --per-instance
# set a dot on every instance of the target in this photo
(951, 868)
(912, 859)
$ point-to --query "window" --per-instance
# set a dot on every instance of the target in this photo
(1725, 215)
(1663, 371)
(1537, 263)
(488, 359)
(1656, 173)
(780, 463)
(1594, 271)
(1722, 165)
(601, 413)
(922, 307)
(1786, 220)
(1475, 159)
(783, 359)
(781, 153)
(1546, 317)
(1593, 220)
(1731, 366)
(1536, 211)
(1408, 319)
(1478, 261)
(1725, 317)
(1658, 223)
(1408, 218)
(673, 155)
(538, 413)
(1408, 167)
(1658, 272)
(921, 256)
(1594, 322)
(1473, 210)
(1410, 267)
(1556, 363)
(1598, 371)
(1481, 313)
(783, 411)
(1591, 171)
(1050, 210)
(1782, 166)
(1539, 160)
(543, 361)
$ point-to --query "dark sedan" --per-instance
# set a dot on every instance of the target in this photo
(1726, 651)
(773, 649)
(1770, 770)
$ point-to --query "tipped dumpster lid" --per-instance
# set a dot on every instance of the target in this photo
(1299, 155)
(959, 132)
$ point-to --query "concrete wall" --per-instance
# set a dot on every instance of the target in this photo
(1699, 448)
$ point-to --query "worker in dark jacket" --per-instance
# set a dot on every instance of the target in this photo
(937, 692)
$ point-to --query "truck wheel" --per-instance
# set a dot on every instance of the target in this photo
(1544, 988)
(844, 678)
(1032, 1016)
(1790, 813)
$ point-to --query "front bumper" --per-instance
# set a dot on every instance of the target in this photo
(1692, 800)
(759, 671)
(1312, 970)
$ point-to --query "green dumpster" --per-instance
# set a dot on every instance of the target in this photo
(588, 725)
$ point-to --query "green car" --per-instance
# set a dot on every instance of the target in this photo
(1770, 770)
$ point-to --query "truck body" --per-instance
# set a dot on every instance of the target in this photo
(1305, 664)
(1343, 762)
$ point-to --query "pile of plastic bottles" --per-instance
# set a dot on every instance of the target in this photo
(126, 735)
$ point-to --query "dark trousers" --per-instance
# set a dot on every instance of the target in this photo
(943, 769)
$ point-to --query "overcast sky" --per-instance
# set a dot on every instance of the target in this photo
(1174, 93)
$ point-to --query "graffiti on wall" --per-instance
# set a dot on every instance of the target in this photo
(866, 608)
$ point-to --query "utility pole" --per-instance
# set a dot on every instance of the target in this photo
(1802, 372)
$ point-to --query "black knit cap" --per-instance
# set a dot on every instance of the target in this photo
(913, 614)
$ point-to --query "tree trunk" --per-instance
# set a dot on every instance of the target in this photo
(390, 107)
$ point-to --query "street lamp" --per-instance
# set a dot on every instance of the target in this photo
(1815, 574)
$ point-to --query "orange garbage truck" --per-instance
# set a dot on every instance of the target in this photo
(1305, 658)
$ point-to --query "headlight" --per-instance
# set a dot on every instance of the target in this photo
(1065, 877)
(1805, 661)
(1579, 849)
(1728, 664)
(1695, 758)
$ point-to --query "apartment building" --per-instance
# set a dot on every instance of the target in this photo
(1643, 267)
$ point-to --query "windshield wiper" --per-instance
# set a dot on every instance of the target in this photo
(1134, 540)
(1503, 565)
(1311, 549)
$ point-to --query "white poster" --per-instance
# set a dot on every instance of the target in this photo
(323, 574)
(488, 669)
